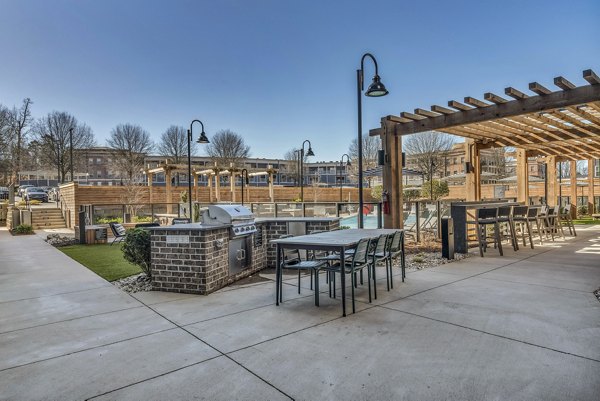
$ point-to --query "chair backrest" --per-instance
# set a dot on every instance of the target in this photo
(533, 212)
(544, 210)
(117, 229)
(361, 252)
(504, 211)
(520, 211)
(553, 211)
(380, 246)
(396, 241)
(487, 213)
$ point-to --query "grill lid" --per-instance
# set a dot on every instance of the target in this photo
(227, 214)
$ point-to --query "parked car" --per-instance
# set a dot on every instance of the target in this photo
(22, 188)
(3, 193)
(35, 193)
(46, 189)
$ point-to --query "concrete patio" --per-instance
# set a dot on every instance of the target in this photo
(525, 326)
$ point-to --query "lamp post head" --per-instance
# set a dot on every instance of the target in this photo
(310, 152)
(377, 88)
(203, 138)
(348, 164)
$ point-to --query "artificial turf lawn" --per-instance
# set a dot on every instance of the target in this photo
(587, 220)
(104, 260)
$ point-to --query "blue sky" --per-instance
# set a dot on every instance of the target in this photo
(278, 72)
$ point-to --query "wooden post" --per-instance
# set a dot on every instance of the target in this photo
(149, 177)
(392, 176)
(472, 177)
(232, 184)
(209, 178)
(217, 187)
(522, 177)
(168, 190)
(196, 187)
(271, 191)
(552, 180)
(591, 191)
(573, 168)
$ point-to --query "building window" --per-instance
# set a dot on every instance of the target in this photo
(98, 160)
(597, 168)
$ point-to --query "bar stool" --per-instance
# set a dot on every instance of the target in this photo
(483, 218)
(554, 221)
(565, 216)
(520, 216)
(505, 214)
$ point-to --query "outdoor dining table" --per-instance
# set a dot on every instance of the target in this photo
(332, 241)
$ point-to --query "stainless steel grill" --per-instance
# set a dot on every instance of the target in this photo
(239, 217)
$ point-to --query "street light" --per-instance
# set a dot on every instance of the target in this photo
(341, 166)
(244, 177)
(202, 139)
(308, 153)
(71, 152)
(376, 89)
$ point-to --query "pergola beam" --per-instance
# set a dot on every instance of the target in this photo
(555, 100)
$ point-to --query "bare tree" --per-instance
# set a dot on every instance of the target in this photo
(5, 142)
(292, 157)
(494, 161)
(21, 118)
(53, 140)
(428, 150)
(228, 148)
(371, 144)
(129, 143)
(173, 144)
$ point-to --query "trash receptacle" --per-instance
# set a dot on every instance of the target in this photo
(447, 238)
(82, 227)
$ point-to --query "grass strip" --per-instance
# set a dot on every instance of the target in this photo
(104, 260)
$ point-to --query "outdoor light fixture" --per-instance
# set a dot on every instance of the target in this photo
(202, 139)
(376, 89)
(341, 166)
(308, 153)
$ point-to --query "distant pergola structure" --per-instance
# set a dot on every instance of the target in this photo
(557, 126)
(212, 175)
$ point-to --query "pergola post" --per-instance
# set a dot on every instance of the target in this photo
(168, 190)
(209, 178)
(217, 187)
(591, 192)
(232, 184)
(472, 171)
(573, 173)
(149, 178)
(552, 180)
(522, 177)
(271, 189)
(392, 176)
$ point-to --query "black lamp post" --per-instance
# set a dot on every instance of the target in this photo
(308, 153)
(202, 139)
(71, 153)
(244, 177)
(341, 175)
(376, 89)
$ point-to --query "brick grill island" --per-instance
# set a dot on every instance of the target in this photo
(195, 258)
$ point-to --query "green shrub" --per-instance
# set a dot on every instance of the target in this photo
(23, 229)
(142, 219)
(136, 248)
(582, 210)
(344, 227)
(109, 219)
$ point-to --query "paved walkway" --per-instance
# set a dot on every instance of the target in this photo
(525, 326)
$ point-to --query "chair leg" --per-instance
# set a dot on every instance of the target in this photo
(497, 235)
(353, 279)
(369, 282)
(513, 233)
(537, 223)
(316, 287)
(529, 233)
(374, 282)
(391, 273)
(298, 281)
(311, 279)
(478, 228)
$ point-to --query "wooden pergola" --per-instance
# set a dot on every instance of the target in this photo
(555, 125)
(212, 175)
